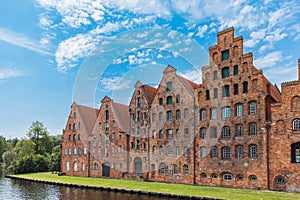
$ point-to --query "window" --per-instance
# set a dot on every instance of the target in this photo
(169, 115)
(153, 117)
(106, 115)
(177, 133)
(154, 150)
(178, 98)
(106, 126)
(252, 108)
(161, 134)
(186, 113)
(203, 152)
(202, 133)
(138, 130)
(185, 170)
(214, 152)
(236, 89)
(66, 151)
(203, 175)
(225, 72)
(68, 165)
(96, 166)
(186, 151)
(169, 86)
(295, 152)
(226, 92)
(253, 151)
(225, 55)
(175, 169)
(79, 138)
(239, 130)
(245, 87)
(74, 115)
(235, 70)
(138, 116)
(84, 151)
(239, 151)
(215, 75)
(239, 110)
(75, 151)
(138, 102)
(160, 116)
(74, 127)
(252, 178)
(227, 177)
(207, 95)
(163, 168)
(75, 167)
(177, 114)
(296, 124)
(154, 134)
(186, 133)
(106, 152)
(239, 177)
(202, 114)
(170, 133)
(70, 127)
(214, 176)
(138, 145)
(70, 151)
(169, 100)
(280, 180)
(161, 101)
(226, 153)
(169, 150)
(177, 151)
(226, 112)
(213, 113)
(226, 132)
(106, 138)
(82, 167)
(213, 132)
(252, 129)
(74, 138)
(215, 93)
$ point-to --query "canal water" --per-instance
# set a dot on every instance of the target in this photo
(12, 189)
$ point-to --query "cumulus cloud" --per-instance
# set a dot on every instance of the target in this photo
(268, 60)
(193, 75)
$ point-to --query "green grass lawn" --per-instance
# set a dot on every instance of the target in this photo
(203, 191)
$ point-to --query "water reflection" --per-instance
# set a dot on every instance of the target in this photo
(19, 189)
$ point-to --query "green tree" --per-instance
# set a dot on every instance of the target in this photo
(55, 159)
(3, 147)
(38, 134)
(24, 148)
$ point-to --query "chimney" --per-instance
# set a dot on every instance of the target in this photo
(298, 69)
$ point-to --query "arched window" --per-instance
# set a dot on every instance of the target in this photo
(252, 178)
(161, 134)
(239, 151)
(226, 132)
(203, 175)
(185, 170)
(68, 165)
(226, 112)
(252, 108)
(154, 134)
(96, 166)
(74, 138)
(203, 152)
(226, 153)
(280, 180)
(239, 110)
(252, 151)
(239, 177)
(186, 113)
(296, 124)
(169, 150)
(75, 167)
(202, 133)
(227, 177)
(202, 115)
(213, 113)
(214, 176)
(252, 129)
(239, 130)
(169, 133)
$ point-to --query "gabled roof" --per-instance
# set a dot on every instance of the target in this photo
(122, 113)
(274, 91)
(88, 116)
(149, 92)
(188, 84)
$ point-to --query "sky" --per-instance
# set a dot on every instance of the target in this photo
(55, 52)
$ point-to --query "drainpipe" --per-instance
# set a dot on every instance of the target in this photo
(89, 158)
(268, 158)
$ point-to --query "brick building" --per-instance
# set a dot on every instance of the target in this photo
(235, 129)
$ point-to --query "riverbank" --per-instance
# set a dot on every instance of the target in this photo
(157, 188)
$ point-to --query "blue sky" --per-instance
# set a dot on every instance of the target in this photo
(54, 52)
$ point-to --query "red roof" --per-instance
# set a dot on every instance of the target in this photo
(122, 113)
(88, 117)
(150, 92)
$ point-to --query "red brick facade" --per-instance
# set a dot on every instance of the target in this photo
(235, 129)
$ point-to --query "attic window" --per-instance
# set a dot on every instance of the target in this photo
(225, 55)
(169, 86)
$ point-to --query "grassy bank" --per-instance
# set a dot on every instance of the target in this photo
(203, 191)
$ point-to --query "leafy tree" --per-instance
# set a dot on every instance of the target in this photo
(32, 163)
(3, 147)
(55, 159)
(24, 148)
(38, 134)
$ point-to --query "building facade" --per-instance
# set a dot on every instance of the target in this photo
(235, 129)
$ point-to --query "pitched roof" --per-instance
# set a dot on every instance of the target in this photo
(274, 91)
(150, 92)
(189, 84)
(88, 116)
(122, 113)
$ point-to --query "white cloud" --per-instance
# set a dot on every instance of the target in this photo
(22, 40)
(268, 60)
(193, 75)
(202, 30)
(6, 73)
(114, 83)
